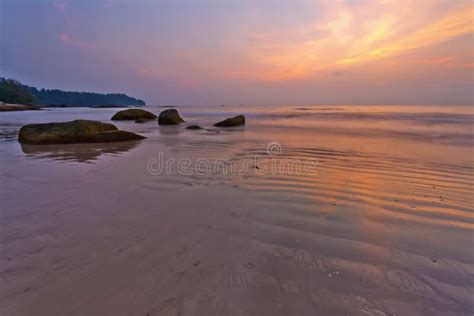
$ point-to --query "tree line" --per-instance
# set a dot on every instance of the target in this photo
(12, 91)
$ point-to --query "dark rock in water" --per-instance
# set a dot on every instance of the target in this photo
(133, 114)
(143, 120)
(233, 121)
(78, 131)
(194, 127)
(169, 117)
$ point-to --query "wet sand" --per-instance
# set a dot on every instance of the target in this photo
(381, 224)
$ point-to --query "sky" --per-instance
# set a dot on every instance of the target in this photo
(245, 52)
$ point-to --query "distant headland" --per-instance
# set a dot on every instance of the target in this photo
(13, 92)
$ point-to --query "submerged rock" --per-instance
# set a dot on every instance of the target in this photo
(78, 131)
(133, 114)
(194, 127)
(169, 117)
(233, 121)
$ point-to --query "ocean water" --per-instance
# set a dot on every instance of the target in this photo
(329, 209)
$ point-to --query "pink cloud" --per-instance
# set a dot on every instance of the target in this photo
(438, 60)
(60, 5)
(66, 39)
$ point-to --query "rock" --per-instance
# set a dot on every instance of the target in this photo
(194, 127)
(143, 120)
(233, 121)
(169, 117)
(78, 131)
(133, 114)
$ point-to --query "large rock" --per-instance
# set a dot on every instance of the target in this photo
(133, 114)
(233, 121)
(169, 117)
(79, 131)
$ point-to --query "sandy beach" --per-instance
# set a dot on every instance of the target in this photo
(375, 218)
(236, 158)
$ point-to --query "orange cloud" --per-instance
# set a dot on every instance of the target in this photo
(453, 25)
(438, 60)
(373, 37)
(347, 36)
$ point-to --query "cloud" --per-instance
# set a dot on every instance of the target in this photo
(62, 8)
(308, 49)
(347, 35)
(59, 5)
(66, 39)
(342, 73)
(64, 36)
(442, 60)
(453, 25)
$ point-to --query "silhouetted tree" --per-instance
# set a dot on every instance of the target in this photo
(12, 91)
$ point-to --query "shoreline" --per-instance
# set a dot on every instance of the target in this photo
(8, 107)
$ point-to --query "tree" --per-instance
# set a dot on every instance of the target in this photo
(12, 91)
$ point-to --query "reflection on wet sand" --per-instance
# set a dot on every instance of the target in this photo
(77, 152)
(380, 224)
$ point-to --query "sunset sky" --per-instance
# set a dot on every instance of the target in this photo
(250, 52)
